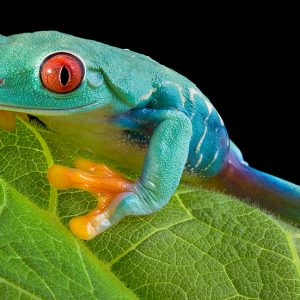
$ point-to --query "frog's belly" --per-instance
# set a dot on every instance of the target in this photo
(105, 141)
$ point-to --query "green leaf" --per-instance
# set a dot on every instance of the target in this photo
(202, 245)
(40, 259)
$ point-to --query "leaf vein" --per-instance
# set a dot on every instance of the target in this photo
(209, 255)
(183, 206)
(238, 237)
(84, 267)
(3, 205)
(19, 289)
(135, 245)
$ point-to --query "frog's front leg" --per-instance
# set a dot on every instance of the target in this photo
(163, 166)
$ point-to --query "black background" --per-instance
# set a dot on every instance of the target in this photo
(245, 59)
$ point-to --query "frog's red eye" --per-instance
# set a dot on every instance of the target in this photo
(61, 72)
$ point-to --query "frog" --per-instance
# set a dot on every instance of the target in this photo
(131, 110)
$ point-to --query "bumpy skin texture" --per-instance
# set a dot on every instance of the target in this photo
(140, 114)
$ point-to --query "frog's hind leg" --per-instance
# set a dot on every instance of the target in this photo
(98, 179)
(164, 162)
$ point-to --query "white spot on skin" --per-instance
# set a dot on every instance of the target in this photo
(209, 106)
(180, 90)
(149, 94)
(199, 161)
(221, 120)
(203, 136)
(194, 92)
(214, 159)
(210, 109)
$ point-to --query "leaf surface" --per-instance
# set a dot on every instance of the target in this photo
(202, 245)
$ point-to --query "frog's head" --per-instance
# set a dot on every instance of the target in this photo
(49, 73)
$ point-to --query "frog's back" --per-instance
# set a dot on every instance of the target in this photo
(210, 143)
(209, 146)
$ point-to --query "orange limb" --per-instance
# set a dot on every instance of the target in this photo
(98, 179)
(8, 119)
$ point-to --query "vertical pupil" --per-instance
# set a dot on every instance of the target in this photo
(64, 76)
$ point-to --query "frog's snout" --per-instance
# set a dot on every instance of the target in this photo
(2, 81)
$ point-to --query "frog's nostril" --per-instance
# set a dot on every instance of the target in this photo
(1, 81)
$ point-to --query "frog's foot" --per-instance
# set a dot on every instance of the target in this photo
(106, 185)
(8, 119)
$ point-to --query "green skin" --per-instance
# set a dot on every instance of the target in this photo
(128, 108)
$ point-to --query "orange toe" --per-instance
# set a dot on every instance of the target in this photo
(63, 178)
(60, 177)
(82, 227)
(85, 226)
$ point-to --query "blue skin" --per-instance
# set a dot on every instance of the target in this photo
(138, 108)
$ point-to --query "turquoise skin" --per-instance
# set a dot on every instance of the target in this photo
(141, 115)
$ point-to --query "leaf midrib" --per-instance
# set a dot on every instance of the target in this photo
(52, 208)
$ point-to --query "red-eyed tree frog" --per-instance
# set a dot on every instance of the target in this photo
(135, 112)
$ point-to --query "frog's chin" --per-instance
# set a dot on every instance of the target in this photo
(48, 111)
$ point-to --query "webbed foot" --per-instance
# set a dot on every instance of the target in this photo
(108, 186)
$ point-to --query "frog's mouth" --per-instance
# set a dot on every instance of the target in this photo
(46, 111)
(9, 114)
